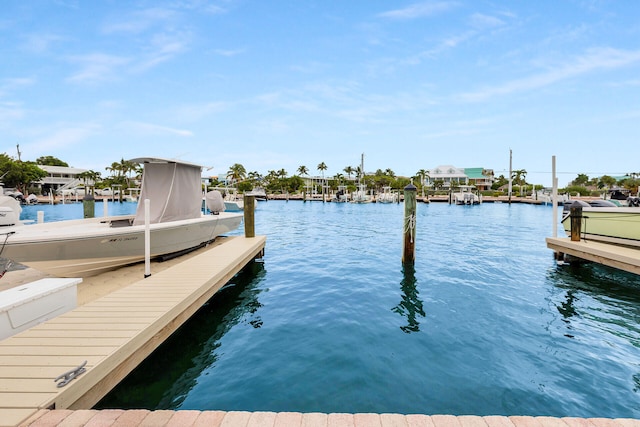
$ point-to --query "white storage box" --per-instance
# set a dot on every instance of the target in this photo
(27, 305)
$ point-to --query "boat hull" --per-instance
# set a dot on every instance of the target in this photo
(86, 247)
(619, 225)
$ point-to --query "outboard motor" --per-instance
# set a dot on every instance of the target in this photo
(9, 211)
(215, 202)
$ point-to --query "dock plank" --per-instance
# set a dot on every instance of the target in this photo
(620, 257)
(128, 325)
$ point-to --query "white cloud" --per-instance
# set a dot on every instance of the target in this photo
(153, 129)
(64, 137)
(139, 21)
(419, 10)
(229, 52)
(96, 67)
(594, 59)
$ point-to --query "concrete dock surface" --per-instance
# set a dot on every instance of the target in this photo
(161, 418)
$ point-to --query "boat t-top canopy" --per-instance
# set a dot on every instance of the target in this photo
(173, 187)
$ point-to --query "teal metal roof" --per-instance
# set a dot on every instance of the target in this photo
(474, 173)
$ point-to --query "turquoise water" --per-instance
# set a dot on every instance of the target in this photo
(486, 323)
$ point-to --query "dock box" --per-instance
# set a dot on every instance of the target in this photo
(27, 305)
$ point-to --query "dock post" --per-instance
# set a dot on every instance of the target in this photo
(576, 221)
(89, 206)
(249, 216)
(409, 231)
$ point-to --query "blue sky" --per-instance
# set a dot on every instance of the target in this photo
(284, 83)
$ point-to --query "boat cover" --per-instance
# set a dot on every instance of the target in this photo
(174, 190)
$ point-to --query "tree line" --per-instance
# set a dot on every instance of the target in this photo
(124, 174)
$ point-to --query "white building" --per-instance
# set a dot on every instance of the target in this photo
(59, 178)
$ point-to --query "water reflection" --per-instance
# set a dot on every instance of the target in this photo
(411, 304)
(164, 379)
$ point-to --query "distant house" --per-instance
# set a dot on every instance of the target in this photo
(480, 177)
(59, 178)
(450, 175)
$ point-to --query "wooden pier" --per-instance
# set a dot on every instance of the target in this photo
(619, 257)
(112, 333)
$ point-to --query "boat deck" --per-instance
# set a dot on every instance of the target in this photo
(620, 257)
(108, 418)
(112, 333)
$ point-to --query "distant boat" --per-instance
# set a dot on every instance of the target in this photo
(466, 196)
(89, 246)
(259, 193)
(361, 196)
(386, 196)
(616, 225)
(341, 195)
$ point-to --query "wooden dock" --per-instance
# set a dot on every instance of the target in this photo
(113, 333)
(619, 257)
(162, 418)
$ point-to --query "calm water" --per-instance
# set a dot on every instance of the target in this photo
(485, 323)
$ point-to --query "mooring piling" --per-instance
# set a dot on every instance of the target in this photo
(249, 216)
(576, 220)
(409, 232)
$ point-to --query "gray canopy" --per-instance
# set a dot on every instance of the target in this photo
(174, 189)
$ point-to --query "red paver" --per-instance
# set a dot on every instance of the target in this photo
(314, 419)
(183, 418)
(78, 418)
(445, 421)
(367, 420)
(50, 418)
(236, 419)
(418, 420)
(104, 418)
(393, 420)
(210, 419)
(522, 421)
(472, 421)
(498, 421)
(577, 422)
(131, 418)
(340, 420)
(258, 419)
(157, 418)
(288, 419)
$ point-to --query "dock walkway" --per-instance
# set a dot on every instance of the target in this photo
(116, 417)
(113, 333)
(620, 257)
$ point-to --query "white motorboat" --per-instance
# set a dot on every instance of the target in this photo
(466, 196)
(233, 202)
(387, 196)
(606, 223)
(89, 246)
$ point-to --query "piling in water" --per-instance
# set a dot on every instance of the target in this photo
(409, 232)
(576, 221)
(89, 206)
(249, 216)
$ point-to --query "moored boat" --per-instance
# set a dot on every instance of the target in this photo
(89, 246)
(616, 225)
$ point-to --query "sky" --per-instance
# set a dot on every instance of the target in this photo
(281, 84)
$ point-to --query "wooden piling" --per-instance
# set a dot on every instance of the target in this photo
(249, 216)
(576, 221)
(89, 206)
(409, 231)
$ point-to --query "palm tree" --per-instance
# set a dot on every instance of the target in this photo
(303, 170)
(236, 173)
(519, 178)
(349, 170)
(423, 174)
(322, 167)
